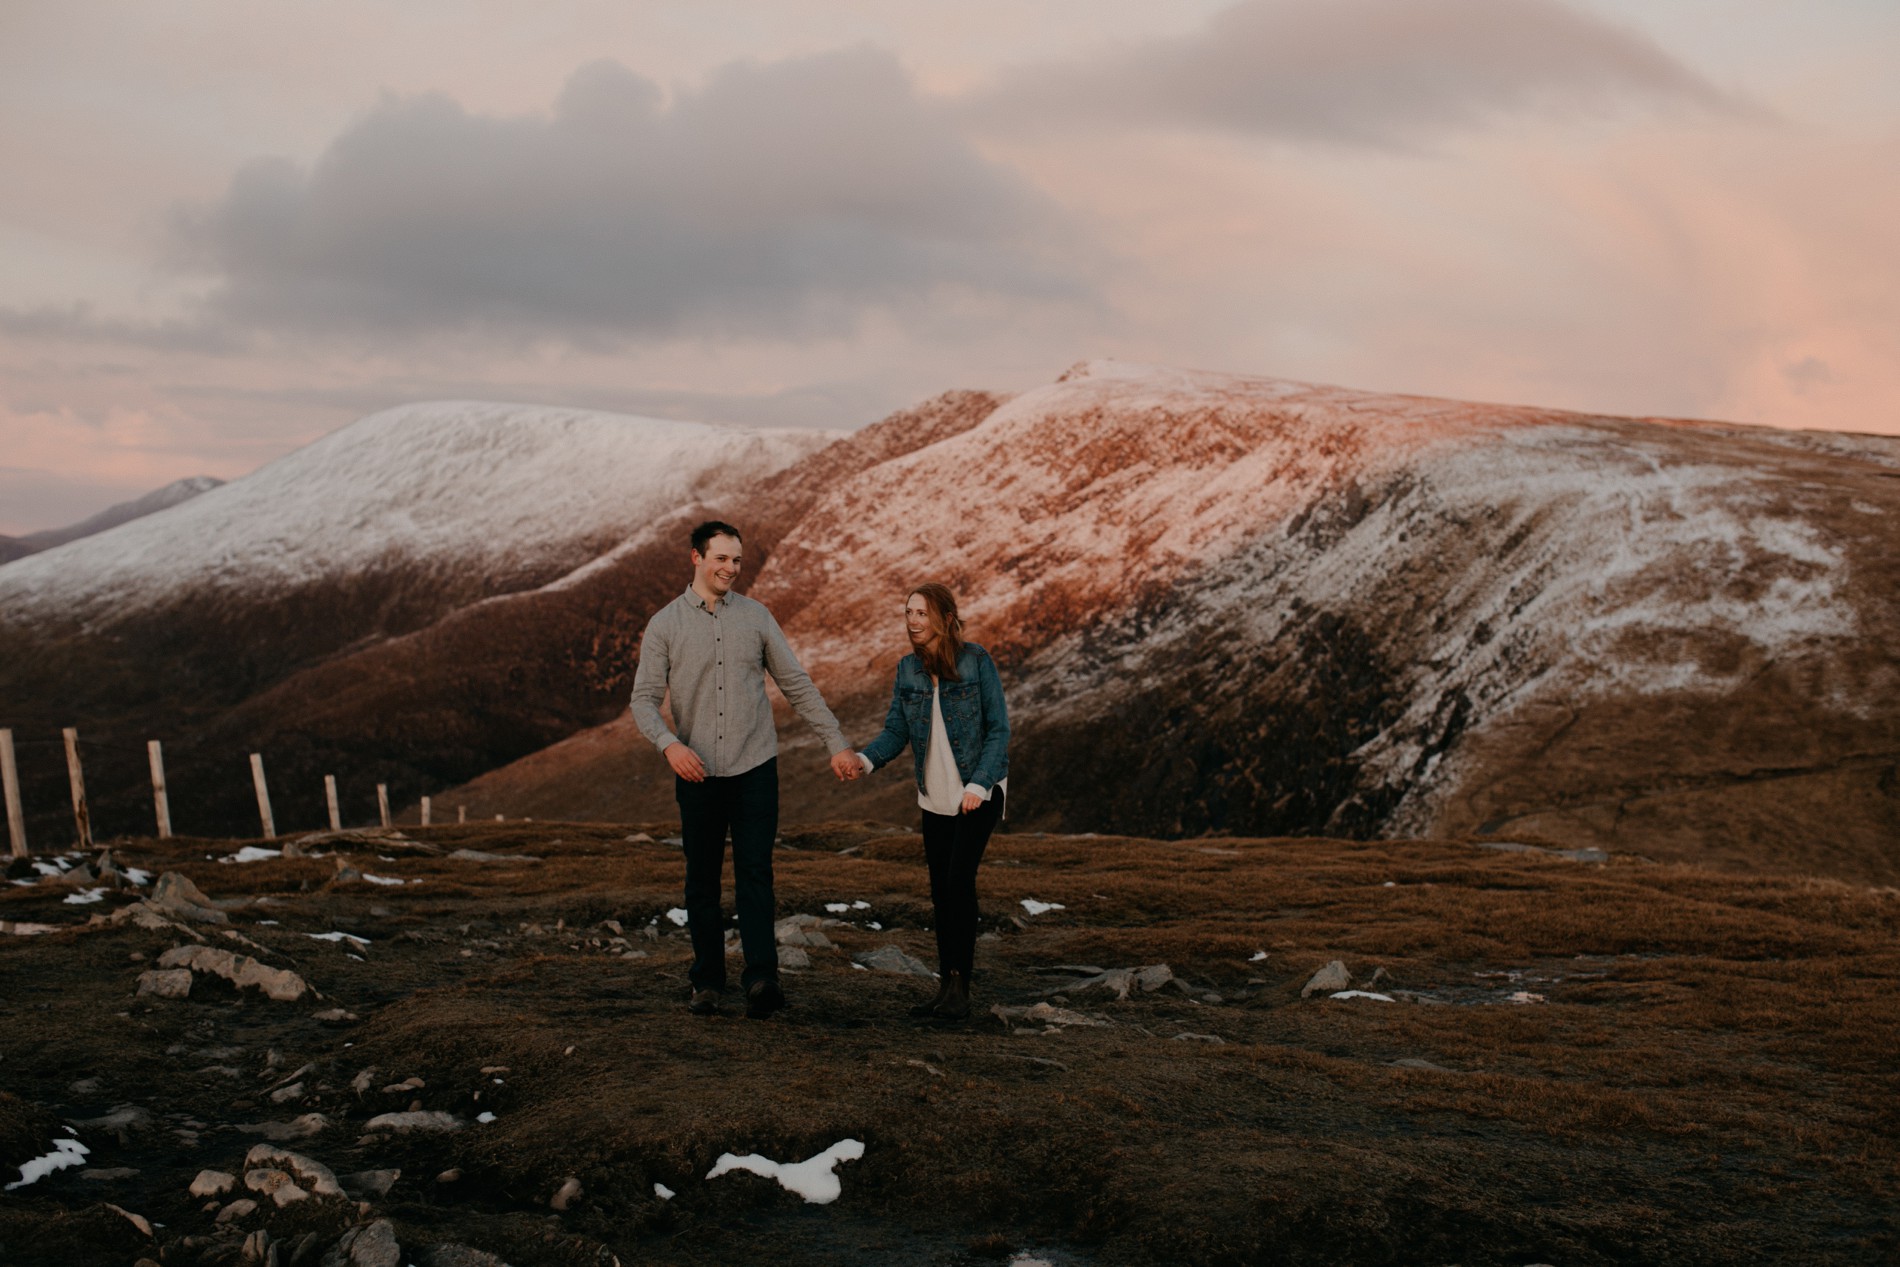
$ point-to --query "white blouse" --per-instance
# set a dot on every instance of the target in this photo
(941, 794)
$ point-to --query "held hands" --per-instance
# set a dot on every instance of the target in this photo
(971, 802)
(847, 766)
(686, 763)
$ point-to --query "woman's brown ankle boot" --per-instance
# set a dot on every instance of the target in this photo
(930, 1008)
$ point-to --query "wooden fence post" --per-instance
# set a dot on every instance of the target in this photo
(329, 799)
(82, 817)
(16, 817)
(161, 803)
(382, 802)
(425, 811)
(461, 813)
(263, 796)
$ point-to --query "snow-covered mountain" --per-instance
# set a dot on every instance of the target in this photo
(173, 494)
(474, 497)
(1237, 604)
(1222, 604)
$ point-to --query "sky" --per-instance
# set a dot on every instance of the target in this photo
(230, 228)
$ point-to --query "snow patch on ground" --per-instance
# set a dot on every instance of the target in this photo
(253, 853)
(66, 1152)
(1034, 907)
(812, 1179)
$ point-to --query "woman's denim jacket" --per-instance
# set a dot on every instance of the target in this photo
(973, 714)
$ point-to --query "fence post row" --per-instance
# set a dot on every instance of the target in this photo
(161, 799)
(16, 817)
(161, 803)
(263, 796)
(76, 777)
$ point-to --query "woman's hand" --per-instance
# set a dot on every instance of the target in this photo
(971, 802)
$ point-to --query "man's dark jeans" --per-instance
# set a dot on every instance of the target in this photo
(747, 805)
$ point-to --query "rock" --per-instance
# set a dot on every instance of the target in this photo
(345, 873)
(1050, 1014)
(84, 1086)
(313, 1175)
(370, 1183)
(1185, 1037)
(793, 958)
(290, 1092)
(373, 1245)
(297, 1128)
(177, 896)
(1153, 977)
(145, 915)
(452, 1175)
(362, 1082)
(450, 1254)
(121, 1121)
(275, 1184)
(800, 930)
(1332, 977)
(240, 1208)
(410, 1083)
(415, 1120)
(212, 1183)
(893, 959)
(1116, 981)
(241, 970)
(476, 855)
(1378, 975)
(257, 1246)
(333, 1016)
(139, 1221)
(165, 983)
(566, 1195)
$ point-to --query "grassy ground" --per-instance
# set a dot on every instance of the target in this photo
(1700, 1071)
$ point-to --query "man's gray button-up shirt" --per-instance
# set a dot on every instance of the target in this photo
(714, 660)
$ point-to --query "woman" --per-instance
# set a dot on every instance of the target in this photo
(947, 705)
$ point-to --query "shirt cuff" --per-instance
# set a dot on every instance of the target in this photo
(868, 767)
(668, 740)
(982, 793)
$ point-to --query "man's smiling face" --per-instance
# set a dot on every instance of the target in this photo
(716, 569)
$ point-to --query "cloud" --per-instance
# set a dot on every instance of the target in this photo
(1365, 72)
(781, 200)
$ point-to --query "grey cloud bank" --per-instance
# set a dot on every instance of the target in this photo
(1370, 72)
(778, 199)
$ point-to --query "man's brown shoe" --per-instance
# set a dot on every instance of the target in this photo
(956, 999)
(704, 1003)
(762, 998)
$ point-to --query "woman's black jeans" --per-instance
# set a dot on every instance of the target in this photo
(953, 847)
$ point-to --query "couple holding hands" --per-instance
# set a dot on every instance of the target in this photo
(712, 649)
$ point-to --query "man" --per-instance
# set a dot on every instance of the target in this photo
(712, 648)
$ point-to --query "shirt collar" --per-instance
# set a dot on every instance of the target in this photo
(692, 596)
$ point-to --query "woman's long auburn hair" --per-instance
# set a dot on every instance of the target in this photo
(940, 605)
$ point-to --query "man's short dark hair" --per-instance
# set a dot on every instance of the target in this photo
(710, 529)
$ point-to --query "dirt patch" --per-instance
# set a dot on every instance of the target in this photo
(1578, 1063)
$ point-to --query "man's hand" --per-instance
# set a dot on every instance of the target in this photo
(847, 766)
(971, 802)
(686, 763)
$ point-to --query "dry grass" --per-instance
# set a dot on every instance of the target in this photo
(1710, 1078)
